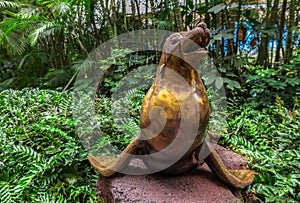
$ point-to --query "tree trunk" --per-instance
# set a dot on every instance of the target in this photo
(281, 29)
(146, 14)
(207, 18)
(124, 13)
(138, 12)
(178, 16)
(274, 21)
(234, 17)
(152, 8)
(289, 40)
(238, 21)
(104, 8)
(132, 15)
(167, 8)
(92, 16)
(298, 14)
(263, 54)
(114, 9)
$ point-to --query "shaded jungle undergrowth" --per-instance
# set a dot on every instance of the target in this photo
(43, 160)
(270, 137)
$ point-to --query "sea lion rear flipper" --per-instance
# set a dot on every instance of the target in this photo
(236, 178)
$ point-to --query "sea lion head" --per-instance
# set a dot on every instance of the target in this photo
(187, 46)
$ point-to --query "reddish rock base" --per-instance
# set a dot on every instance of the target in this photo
(197, 186)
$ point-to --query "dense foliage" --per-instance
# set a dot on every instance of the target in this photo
(270, 138)
(264, 125)
(262, 85)
(43, 42)
(41, 158)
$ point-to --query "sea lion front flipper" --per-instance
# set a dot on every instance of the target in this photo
(103, 164)
(236, 178)
(109, 165)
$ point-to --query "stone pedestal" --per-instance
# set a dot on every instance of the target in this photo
(196, 186)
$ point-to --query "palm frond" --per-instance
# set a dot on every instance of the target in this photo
(44, 29)
(14, 42)
(30, 12)
(61, 8)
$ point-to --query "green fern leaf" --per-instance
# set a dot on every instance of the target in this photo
(8, 4)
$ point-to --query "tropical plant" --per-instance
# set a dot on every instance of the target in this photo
(264, 84)
(270, 138)
(42, 159)
(46, 38)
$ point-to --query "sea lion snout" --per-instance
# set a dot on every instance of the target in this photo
(203, 25)
(199, 35)
(194, 40)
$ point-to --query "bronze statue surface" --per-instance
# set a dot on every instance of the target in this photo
(174, 117)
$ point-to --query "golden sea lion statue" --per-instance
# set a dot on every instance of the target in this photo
(174, 117)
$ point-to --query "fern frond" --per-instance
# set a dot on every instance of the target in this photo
(5, 192)
(27, 152)
(23, 183)
(66, 105)
(49, 179)
(131, 127)
(279, 103)
(8, 4)
(50, 198)
(238, 141)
